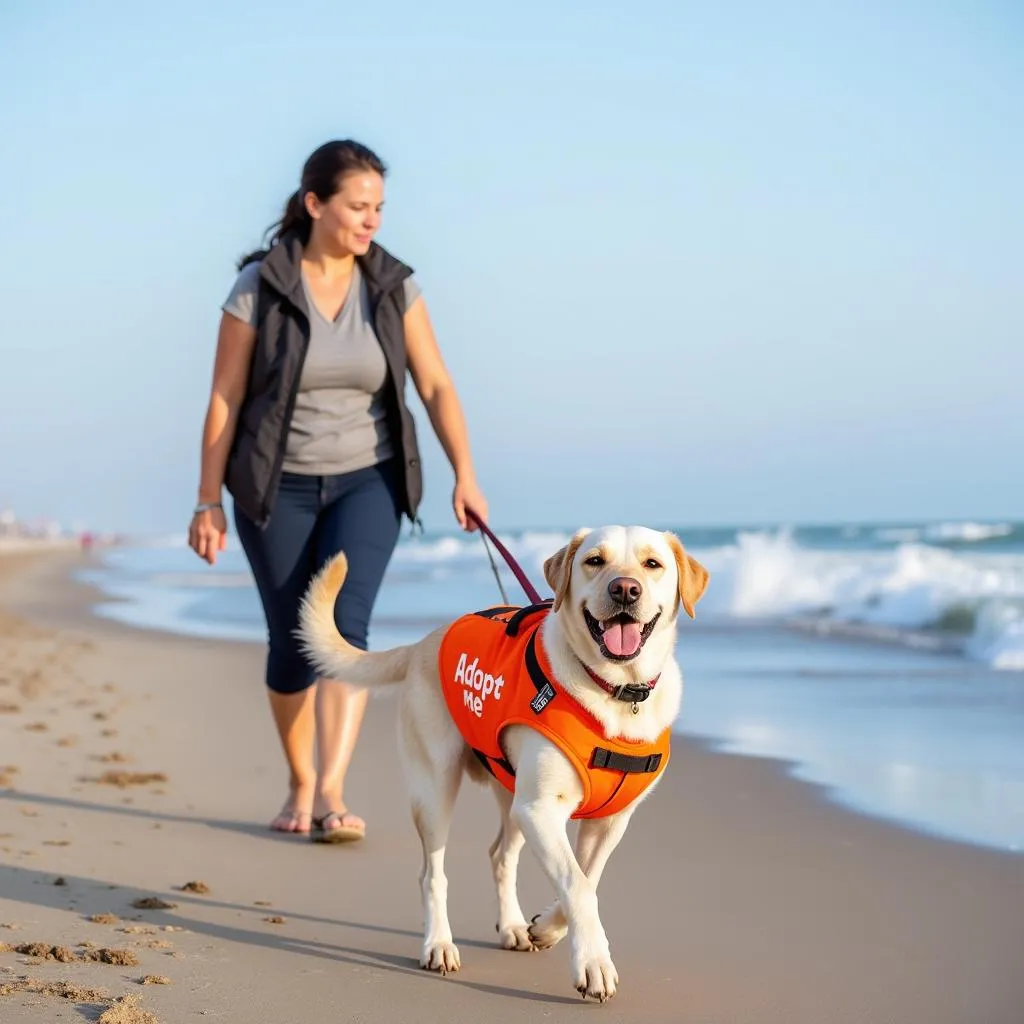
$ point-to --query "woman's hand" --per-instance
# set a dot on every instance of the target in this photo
(208, 533)
(468, 495)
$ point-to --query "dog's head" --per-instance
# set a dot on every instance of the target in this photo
(618, 589)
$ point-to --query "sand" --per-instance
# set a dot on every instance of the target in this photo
(739, 895)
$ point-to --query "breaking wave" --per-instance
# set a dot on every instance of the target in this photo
(954, 586)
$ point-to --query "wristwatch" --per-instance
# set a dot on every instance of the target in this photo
(206, 506)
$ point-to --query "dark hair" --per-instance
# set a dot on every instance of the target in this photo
(322, 175)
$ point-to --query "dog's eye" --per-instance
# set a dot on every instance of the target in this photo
(594, 560)
(652, 563)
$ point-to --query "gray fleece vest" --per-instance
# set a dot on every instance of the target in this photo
(282, 338)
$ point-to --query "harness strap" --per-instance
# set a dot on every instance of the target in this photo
(513, 624)
(502, 762)
(628, 764)
(493, 613)
(631, 764)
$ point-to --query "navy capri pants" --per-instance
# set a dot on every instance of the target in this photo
(315, 517)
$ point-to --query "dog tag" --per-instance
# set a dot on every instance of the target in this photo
(636, 708)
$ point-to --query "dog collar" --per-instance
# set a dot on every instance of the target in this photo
(631, 693)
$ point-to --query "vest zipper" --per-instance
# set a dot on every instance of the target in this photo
(282, 445)
(375, 302)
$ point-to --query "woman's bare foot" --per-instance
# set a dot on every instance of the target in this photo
(296, 815)
(292, 821)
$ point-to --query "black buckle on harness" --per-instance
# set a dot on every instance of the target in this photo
(631, 764)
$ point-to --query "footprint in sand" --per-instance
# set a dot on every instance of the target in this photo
(152, 903)
(114, 757)
(200, 888)
(32, 685)
(123, 779)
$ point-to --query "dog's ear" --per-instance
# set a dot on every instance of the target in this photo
(693, 577)
(558, 568)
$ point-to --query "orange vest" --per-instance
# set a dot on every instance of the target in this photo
(494, 673)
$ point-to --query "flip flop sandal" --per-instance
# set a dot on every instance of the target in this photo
(335, 833)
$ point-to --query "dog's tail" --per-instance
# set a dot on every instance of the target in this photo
(333, 656)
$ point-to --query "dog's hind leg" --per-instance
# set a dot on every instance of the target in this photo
(595, 842)
(434, 784)
(513, 931)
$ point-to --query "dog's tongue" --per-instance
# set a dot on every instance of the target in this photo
(622, 641)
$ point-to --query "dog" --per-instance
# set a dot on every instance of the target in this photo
(605, 648)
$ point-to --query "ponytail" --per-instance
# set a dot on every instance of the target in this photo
(295, 217)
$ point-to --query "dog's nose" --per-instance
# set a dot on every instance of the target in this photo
(625, 589)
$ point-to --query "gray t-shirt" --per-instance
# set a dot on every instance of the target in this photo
(340, 420)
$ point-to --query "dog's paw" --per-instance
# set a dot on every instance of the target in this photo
(442, 957)
(596, 978)
(548, 929)
(516, 937)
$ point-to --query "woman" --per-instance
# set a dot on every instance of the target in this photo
(308, 429)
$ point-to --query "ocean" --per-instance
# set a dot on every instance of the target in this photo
(884, 662)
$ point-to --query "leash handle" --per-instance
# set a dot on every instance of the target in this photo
(527, 586)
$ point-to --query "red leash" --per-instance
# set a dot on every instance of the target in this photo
(524, 582)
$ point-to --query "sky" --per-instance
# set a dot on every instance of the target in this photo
(687, 263)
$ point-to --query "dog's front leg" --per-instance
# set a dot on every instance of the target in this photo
(547, 791)
(595, 842)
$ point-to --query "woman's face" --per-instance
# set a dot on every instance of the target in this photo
(347, 222)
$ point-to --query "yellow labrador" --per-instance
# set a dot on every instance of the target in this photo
(617, 595)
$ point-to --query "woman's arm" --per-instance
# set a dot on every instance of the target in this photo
(436, 389)
(235, 342)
